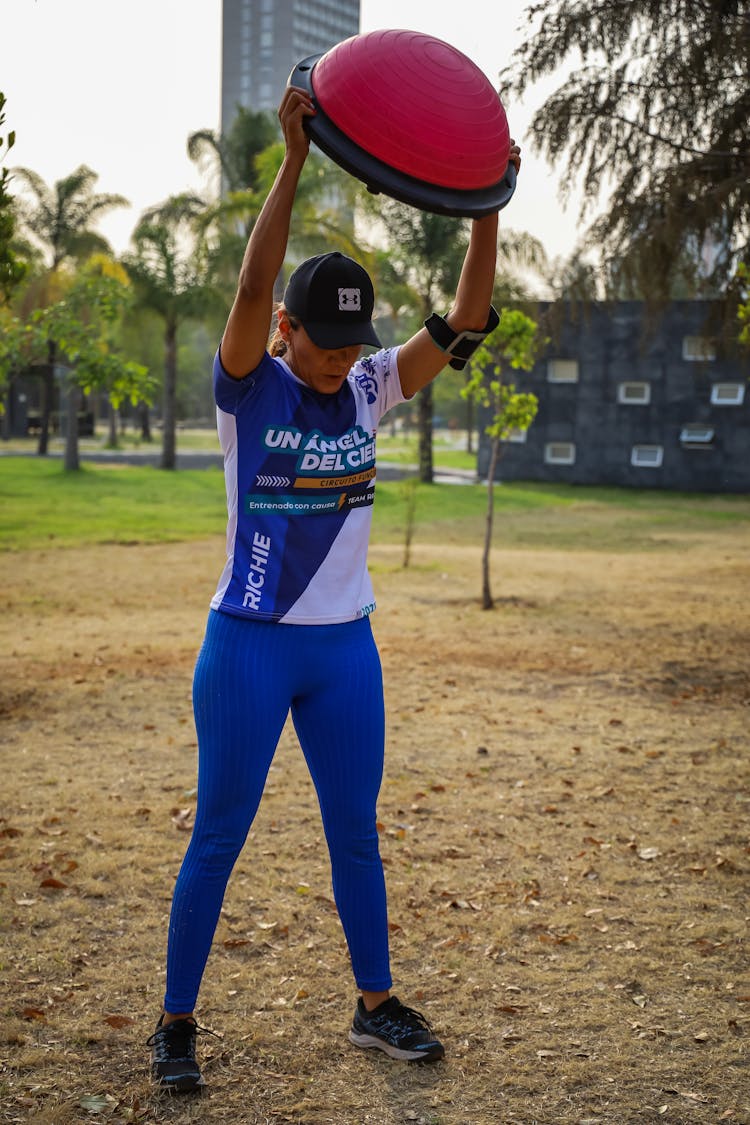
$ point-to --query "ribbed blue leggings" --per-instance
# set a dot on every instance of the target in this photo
(249, 674)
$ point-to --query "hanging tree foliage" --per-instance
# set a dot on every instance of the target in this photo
(654, 112)
(12, 269)
(743, 305)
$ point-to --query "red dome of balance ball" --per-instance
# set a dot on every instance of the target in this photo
(418, 105)
(411, 117)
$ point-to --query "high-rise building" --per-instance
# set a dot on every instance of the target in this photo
(263, 40)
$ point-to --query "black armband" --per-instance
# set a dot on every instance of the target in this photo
(460, 345)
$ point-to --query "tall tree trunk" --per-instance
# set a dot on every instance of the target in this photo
(48, 394)
(72, 403)
(469, 422)
(6, 416)
(112, 440)
(169, 421)
(145, 420)
(424, 406)
(409, 492)
(487, 602)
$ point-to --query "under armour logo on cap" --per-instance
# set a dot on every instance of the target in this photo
(350, 300)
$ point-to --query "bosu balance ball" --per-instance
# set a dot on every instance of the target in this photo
(412, 117)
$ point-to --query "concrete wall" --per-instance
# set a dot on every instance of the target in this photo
(622, 344)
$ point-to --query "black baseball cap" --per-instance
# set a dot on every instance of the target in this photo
(333, 298)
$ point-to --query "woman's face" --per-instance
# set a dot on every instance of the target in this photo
(323, 369)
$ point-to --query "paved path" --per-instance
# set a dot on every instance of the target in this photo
(206, 459)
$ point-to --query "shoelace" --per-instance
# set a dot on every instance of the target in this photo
(167, 1043)
(403, 1020)
(413, 1016)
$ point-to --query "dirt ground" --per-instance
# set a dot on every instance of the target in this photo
(564, 823)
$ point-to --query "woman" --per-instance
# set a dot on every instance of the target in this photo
(289, 624)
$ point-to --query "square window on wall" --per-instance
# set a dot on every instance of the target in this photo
(728, 394)
(647, 456)
(560, 453)
(695, 435)
(562, 370)
(697, 348)
(634, 394)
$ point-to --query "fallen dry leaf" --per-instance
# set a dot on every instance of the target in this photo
(689, 1094)
(29, 1013)
(118, 1021)
(97, 1103)
(181, 818)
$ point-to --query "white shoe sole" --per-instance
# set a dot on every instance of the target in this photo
(371, 1041)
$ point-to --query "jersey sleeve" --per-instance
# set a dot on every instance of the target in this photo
(229, 392)
(376, 377)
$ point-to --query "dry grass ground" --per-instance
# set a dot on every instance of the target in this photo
(564, 824)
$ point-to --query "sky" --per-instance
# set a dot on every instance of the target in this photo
(120, 84)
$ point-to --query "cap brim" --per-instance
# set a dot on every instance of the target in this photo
(341, 335)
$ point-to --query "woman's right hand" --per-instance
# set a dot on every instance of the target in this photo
(295, 106)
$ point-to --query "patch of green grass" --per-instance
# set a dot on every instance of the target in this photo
(455, 459)
(448, 452)
(41, 504)
(561, 516)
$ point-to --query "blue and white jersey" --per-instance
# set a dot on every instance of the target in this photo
(300, 481)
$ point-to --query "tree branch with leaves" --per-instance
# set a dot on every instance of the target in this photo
(651, 121)
(82, 323)
(743, 305)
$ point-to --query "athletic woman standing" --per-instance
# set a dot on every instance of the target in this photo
(289, 627)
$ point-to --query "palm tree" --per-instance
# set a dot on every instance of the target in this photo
(428, 251)
(244, 162)
(425, 253)
(234, 152)
(61, 220)
(173, 277)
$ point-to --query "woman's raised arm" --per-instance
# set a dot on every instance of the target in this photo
(246, 333)
(420, 359)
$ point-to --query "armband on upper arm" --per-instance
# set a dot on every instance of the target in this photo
(459, 345)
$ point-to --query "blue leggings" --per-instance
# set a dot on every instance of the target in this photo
(247, 677)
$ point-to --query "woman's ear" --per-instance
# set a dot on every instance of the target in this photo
(284, 324)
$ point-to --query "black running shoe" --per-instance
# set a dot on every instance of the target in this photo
(173, 1064)
(399, 1031)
